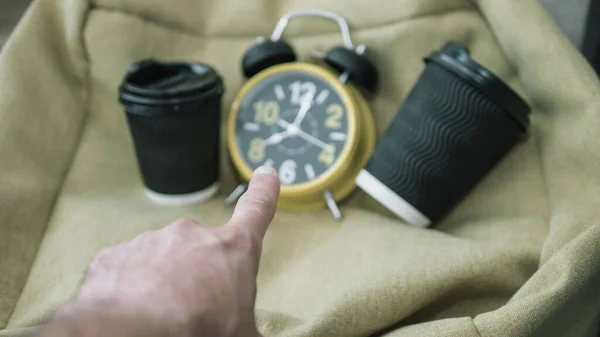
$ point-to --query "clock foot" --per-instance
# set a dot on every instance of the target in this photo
(333, 207)
(236, 194)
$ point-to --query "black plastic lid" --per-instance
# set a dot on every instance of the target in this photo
(151, 86)
(456, 58)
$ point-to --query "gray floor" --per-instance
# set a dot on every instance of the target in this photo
(570, 14)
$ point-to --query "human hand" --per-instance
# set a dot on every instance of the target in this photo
(198, 281)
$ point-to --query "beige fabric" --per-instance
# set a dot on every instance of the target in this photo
(519, 257)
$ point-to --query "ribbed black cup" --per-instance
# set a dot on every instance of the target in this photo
(173, 110)
(457, 123)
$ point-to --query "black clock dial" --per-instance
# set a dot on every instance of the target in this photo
(295, 122)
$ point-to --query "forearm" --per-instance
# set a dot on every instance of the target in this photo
(100, 323)
(101, 319)
(103, 326)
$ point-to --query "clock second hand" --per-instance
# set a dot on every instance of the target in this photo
(309, 138)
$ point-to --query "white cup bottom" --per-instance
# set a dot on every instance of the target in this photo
(392, 201)
(179, 200)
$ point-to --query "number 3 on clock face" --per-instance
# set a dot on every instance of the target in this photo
(302, 123)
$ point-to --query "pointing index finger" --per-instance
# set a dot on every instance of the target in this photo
(257, 206)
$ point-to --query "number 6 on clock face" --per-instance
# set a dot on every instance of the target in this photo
(287, 172)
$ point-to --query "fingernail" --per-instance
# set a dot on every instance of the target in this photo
(265, 170)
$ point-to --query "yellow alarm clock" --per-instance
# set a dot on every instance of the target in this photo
(310, 122)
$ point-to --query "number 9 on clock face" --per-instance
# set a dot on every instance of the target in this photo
(298, 120)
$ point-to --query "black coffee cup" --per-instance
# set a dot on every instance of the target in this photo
(457, 123)
(173, 110)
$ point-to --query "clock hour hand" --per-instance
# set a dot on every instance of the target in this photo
(283, 124)
(276, 138)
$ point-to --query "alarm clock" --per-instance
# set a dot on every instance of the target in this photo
(311, 122)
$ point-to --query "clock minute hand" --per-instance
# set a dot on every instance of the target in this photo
(306, 104)
(294, 130)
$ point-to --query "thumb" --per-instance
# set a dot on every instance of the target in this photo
(256, 208)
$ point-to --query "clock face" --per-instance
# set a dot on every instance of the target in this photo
(295, 122)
